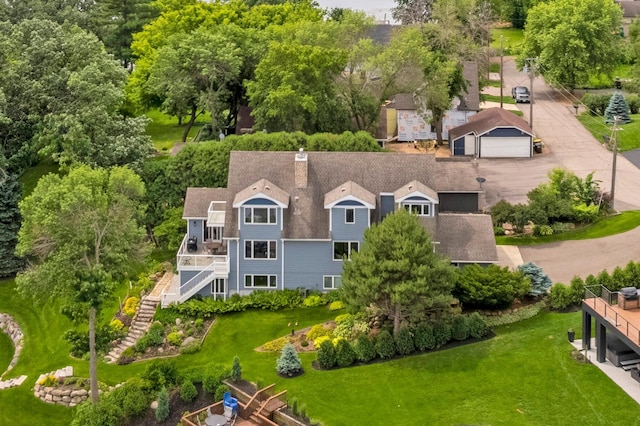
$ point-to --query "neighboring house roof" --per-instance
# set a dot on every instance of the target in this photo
(487, 120)
(197, 201)
(630, 9)
(403, 101)
(466, 237)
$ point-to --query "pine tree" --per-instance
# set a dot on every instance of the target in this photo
(617, 107)
(9, 224)
(540, 282)
(236, 369)
(162, 412)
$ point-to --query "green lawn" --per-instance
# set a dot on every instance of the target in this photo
(506, 98)
(29, 179)
(612, 225)
(624, 71)
(502, 381)
(511, 38)
(628, 137)
(6, 351)
(165, 131)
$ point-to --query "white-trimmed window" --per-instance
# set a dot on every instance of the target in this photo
(254, 249)
(213, 233)
(349, 215)
(260, 215)
(260, 281)
(331, 282)
(419, 209)
(217, 285)
(344, 248)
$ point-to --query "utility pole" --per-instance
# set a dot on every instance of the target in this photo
(501, 65)
(533, 64)
(613, 167)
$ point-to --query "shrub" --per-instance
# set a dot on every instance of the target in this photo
(491, 287)
(127, 356)
(540, 282)
(220, 391)
(336, 306)
(131, 398)
(160, 373)
(188, 391)
(236, 369)
(501, 213)
(476, 325)
(576, 289)
(213, 378)
(326, 355)
(441, 333)
(79, 340)
(289, 363)
(364, 348)
(345, 355)
(199, 324)
(424, 338)
(130, 306)
(404, 342)
(275, 345)
(385, 346)
(174, 338)
(191, 347)
(104, 413)
(522, 314)
(320, 340)
(319, 330)
(162, 412)
(498, 230)
(48, 381)
(586, 214)
(542, 230)
(313, 300)
(459, 328)
(116, 324)
(634, 103)
(560, 297)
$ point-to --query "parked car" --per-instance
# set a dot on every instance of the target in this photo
(520, 94)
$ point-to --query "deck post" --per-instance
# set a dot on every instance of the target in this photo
(601, 341)
(586, 330)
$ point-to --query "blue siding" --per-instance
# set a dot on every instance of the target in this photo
(306, 262)
(195, 228)
(187, 275)
(348, 231)
(259, 202)
(263, 231)
(458, 146)
(508, 131)
(387, 205)
(233, 270)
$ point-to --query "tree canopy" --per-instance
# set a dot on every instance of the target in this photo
(397, 272)
(573, 39)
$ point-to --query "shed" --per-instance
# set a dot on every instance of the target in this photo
(492, 133)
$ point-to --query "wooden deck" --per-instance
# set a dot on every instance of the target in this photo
(627, 321)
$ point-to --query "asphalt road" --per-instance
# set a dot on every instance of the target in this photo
(569, 145)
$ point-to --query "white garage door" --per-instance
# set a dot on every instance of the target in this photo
(505, 147)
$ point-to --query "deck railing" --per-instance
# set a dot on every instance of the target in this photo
(601, 299)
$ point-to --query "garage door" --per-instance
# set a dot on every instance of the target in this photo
(505, 147)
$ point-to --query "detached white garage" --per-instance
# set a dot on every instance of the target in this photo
(492, 133)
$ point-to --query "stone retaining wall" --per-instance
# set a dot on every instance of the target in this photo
(67, 395)
(12, 329)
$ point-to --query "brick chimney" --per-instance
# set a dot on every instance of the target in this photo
(301, 170)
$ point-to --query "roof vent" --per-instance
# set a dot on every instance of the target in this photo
(268, 188)
(410, 187)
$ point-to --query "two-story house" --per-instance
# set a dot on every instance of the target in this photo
(290, 219)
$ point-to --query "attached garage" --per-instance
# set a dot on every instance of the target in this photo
(493, 133)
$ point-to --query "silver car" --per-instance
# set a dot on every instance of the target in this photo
(520, 94)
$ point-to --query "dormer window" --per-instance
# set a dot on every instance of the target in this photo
(260, 215)
(418, 208)
(349, 215)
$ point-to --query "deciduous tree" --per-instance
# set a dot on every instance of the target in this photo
(397, 272)
(75, 228)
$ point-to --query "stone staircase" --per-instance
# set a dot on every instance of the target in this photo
(139, 326)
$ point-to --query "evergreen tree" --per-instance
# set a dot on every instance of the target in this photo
(9, 224)
(162, 412)
(289, 363)
(236, 369)
(397, 272)
(617, 107)
(540, 282)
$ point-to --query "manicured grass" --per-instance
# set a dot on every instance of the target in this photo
(6, 351)
(628, 138)
(165, 131)
(493, 83)
(511, 38)
(624, 71)
(29, 179)
(506, 98)
(605, 227)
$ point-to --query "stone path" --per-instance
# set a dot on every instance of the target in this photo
(142, 320)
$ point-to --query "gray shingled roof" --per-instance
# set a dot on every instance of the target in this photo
(404, 101)
(630, 9)
(349, 188)
(487, 120)
(306, 217)
(470, 100)
(197, 200)
(412, 187)
(466, 237)
(262, 187)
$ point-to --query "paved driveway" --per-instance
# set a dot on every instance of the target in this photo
(568, 145)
